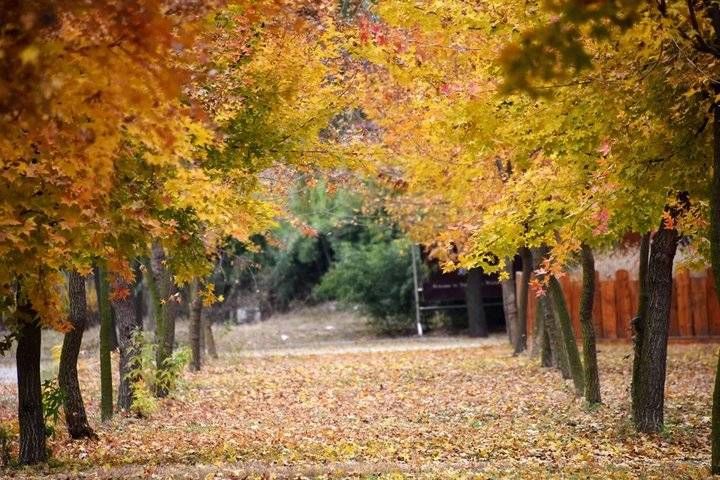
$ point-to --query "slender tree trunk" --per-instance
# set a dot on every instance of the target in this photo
(567, 336)
(196, 326)
(208, 336)
(477, 323)
(30, 412)
(75, 416)
(653, 355)
(510, 302)
(521, 340)
(638, 327)
(165, 333)
(591, 373)
(542, 335)
(558, 354)
(125, 313)
(715, 256)
(103, 297)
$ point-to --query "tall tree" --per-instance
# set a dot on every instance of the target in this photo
(103, 298)
(75, 416)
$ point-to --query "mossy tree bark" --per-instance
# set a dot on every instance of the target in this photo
(103, 297)
(75, 416)
(165, 331)
(567, 336)
(590, 363)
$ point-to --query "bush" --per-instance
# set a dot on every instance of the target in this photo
(378, 277)
(147, 379)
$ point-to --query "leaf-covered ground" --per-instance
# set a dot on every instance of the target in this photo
(444, 407)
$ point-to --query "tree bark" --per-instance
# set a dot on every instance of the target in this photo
(521, 335)
(75, 416)
(638, 326)
(30, 412)
(103, 297)
(125, 312)
(567, 336)
(510, 302)
(477, 324)
(196, 326)
(591, 373)
(208, 336)
(541, 332)
(653, 354)
(715, 257)
(165, 332)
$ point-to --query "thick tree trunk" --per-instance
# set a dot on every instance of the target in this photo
(521, 336)
(165, 332)
(638, 326)
(715, 256)
(477, 324)
(30, 412)
(196, 326)
(510, 302)
(208, 336)
(651, 394)
(103, 297)
(591, 373)
(125, 314)
(75, 416)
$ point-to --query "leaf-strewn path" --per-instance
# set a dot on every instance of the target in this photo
(429, 411)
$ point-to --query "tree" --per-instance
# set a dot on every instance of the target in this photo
(75, 416)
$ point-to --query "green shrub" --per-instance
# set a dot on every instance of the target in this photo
(147, 379)
(52, 402)
(377, 277)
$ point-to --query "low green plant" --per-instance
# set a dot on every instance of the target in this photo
(52, 401)
(147, 379)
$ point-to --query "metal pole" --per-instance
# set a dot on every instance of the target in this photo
(417, 291)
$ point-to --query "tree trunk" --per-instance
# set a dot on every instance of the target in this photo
(510, 302)
(30, 412)
(208, 336)
(715, 256)
(521, 335)
(165, 333)
(75, 416)
(567, 336)
(591, 373)
(542, 335)
(477, 324)
(125, 313)
(196, 326)
(103, 297)
(653, 355)
(638, 326)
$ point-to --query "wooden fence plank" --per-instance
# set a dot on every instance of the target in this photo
(684, 313)
(698, 293)
(713, 304)
(609, 312)
(623, 303)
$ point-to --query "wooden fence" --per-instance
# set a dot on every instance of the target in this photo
(695, 312)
